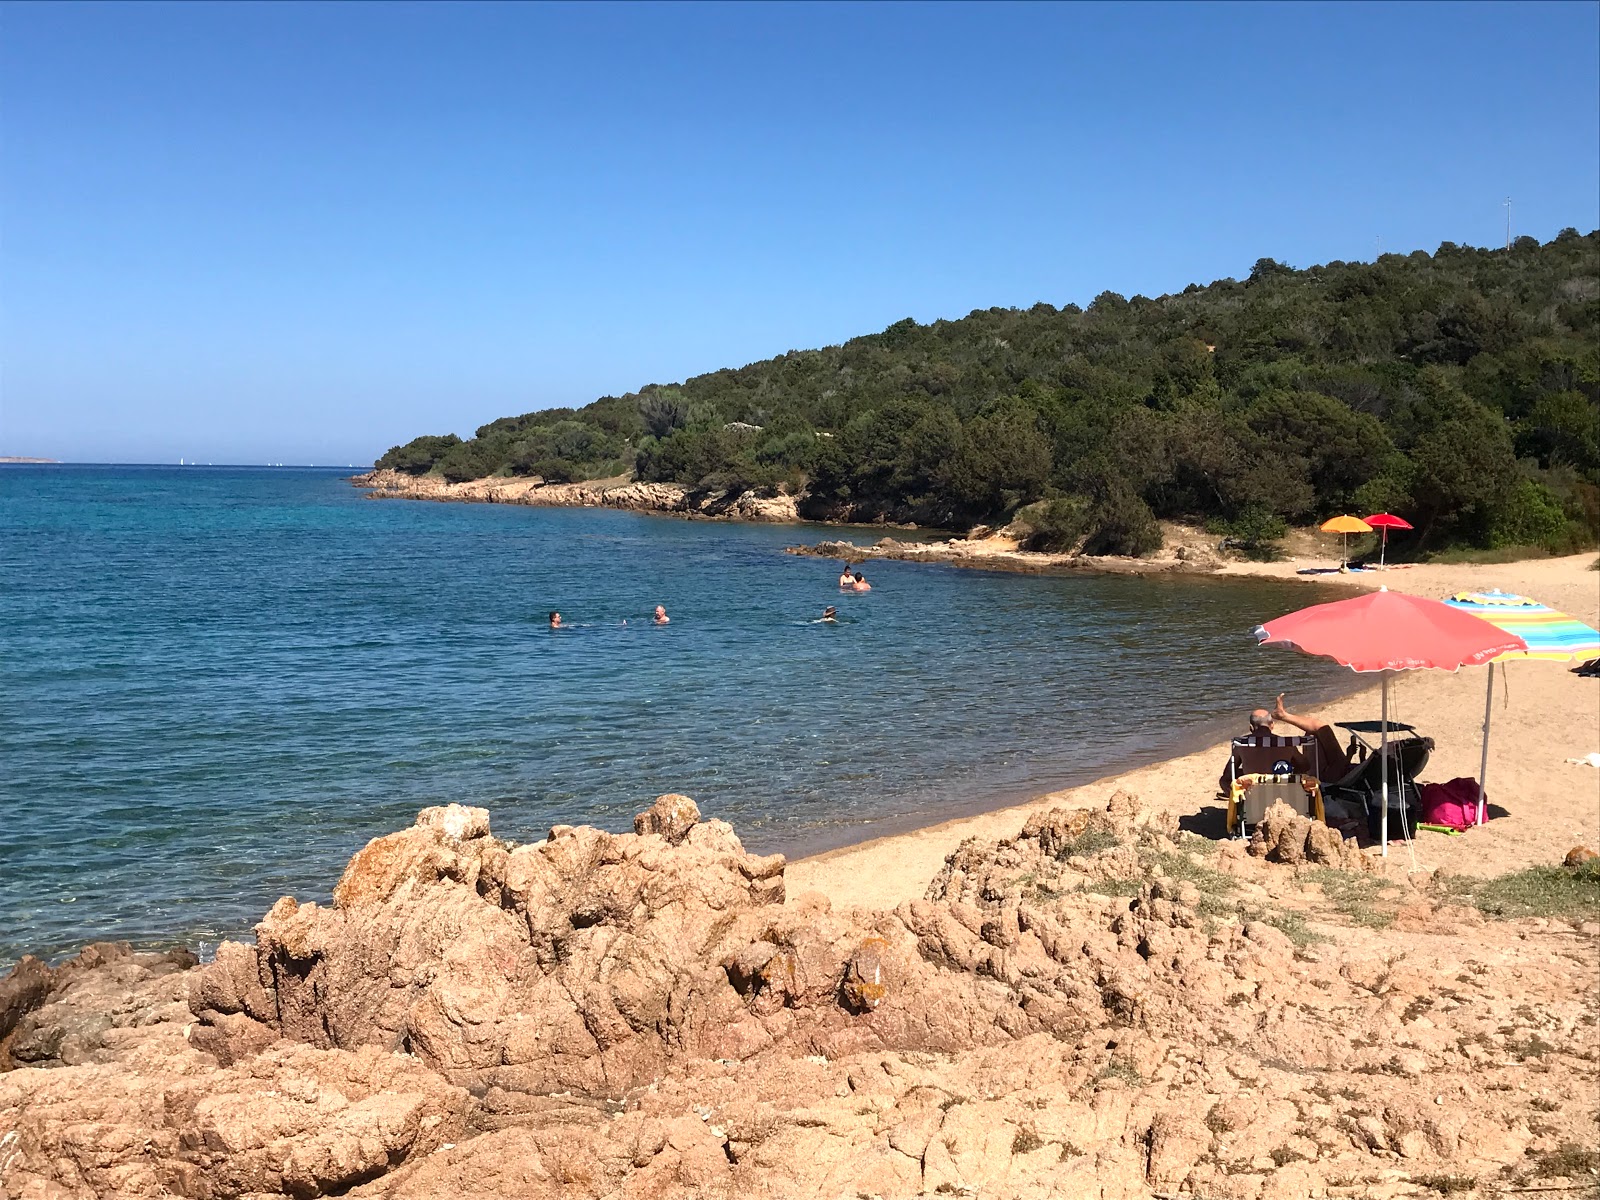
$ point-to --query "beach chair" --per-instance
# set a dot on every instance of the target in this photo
(1408, 756)
(1266, 768)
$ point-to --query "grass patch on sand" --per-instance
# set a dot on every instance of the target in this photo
(1121, 1069)
(1567, 1161)
(1026, 1142)
(1447, 1185)
(1355, 897)
(1087, 844)
(1565, 893)
(1292, 925)
(1181, 867)
(1500, 554)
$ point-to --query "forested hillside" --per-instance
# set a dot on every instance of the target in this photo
(1460, 389)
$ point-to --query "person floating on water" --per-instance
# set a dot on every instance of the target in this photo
(555, 621)
(845, 580)
(661, 617)
(859, 584)
(831, 614)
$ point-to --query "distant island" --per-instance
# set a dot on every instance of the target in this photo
(22, 458)
(1458, 388)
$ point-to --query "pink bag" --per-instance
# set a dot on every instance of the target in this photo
(1453, 804)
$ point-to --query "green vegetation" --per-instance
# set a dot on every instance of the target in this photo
(1567, 1161)
(1447, 1185)
(1358, 897)
(1087, 844)
(1459, 388)
(1571, 894)
(1118, 1068)
(1026, 1141)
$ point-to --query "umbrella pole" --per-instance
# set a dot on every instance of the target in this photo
(1383, 765)
(1383, 548)
(1488, 714)
(1344, 550)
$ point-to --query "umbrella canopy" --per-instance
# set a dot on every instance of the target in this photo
(1390, 631)
(1342, 526)
(1387, 521)
(1345, 524)
(1551, 635)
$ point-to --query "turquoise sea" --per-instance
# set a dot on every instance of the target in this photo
(219, 683)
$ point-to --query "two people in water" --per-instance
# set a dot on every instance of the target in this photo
(853, 583)
(659, 617)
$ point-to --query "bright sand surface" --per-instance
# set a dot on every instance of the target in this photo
(1543, 716)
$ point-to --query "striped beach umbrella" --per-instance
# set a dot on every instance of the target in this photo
(1551, 636)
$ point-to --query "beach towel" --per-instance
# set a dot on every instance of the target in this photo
(1453, 804)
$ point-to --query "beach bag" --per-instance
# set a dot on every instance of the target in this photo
(1453, 804)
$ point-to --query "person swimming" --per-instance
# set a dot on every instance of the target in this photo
(661, 617)
(859, 584)
(831, 614)
(845, 580)
(555, 621)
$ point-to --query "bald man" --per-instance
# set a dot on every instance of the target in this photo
(1330, 761)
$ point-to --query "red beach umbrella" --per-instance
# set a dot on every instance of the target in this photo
(1390, 631)
(1385, 522)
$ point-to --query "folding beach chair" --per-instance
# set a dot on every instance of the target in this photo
(1363, 784)
(1265, 768)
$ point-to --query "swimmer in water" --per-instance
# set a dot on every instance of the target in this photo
(661, 617)
(831, 615)
(860, 584)
(555, 621)
(845, 580)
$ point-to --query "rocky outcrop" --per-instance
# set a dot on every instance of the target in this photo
(1103, 1005)
(994, 553)
(747, 505)
(1284, 836)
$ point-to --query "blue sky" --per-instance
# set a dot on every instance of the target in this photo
(303, 233)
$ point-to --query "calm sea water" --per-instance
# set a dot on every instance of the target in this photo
(220, 683)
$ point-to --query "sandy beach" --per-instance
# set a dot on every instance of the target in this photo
(1542, 717)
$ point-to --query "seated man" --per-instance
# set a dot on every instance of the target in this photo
(1279, 755)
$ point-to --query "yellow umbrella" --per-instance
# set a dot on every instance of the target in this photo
(1343, 526)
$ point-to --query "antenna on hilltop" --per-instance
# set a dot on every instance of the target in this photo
(1508, 222)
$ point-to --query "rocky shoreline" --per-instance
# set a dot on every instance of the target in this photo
(998, 553)
(1101, 1005)
(633, 496)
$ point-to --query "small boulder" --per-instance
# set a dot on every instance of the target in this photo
(22, 991)
(672, 816)
(865, 978)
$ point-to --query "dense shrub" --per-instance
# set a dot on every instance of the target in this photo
(1414, 384)
(418, 456)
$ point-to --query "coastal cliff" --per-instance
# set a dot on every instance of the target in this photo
(632, 495)
(1100, 1005)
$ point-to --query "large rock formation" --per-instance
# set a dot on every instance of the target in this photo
(766, 504)
(1101, 1006)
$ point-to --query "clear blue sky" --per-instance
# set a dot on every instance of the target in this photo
(303, 233)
